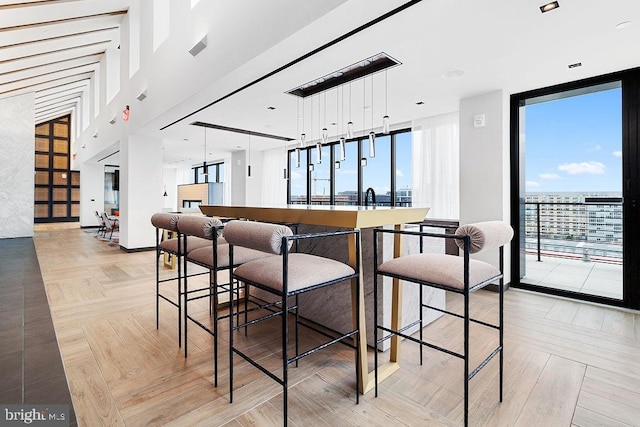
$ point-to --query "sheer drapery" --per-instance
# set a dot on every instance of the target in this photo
(227, 181)
(274, 186)
(436, 177)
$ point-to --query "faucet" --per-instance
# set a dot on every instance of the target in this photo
(366, 196)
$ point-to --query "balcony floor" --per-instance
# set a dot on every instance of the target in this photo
(587, 277)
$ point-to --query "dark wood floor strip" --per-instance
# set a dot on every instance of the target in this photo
(30, 364)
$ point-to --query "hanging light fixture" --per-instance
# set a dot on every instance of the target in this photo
(205, 170)
(372, 135)
(249, 159)
(350, 123)
(325, 131)
(165, 192)
(319, 142)
(285, 174)
(343, 149)
(385, 118)
(363, 160)
(302, 135)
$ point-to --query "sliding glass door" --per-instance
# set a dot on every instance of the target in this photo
(572, 192)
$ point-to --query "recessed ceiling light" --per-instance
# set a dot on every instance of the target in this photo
(453, 74)
(622, 25)
(575, 65)
(549, 6)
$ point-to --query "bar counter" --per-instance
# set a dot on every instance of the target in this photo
(313, 218)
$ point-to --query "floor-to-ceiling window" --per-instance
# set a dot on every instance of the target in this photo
(57, 187)
(574, 189)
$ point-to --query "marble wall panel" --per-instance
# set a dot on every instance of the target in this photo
(17, 156)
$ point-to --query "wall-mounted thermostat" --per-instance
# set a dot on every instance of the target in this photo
(479, 121)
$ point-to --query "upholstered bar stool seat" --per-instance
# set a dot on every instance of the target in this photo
(190, 243)
(304, 271)
(215, 258)
(204, 256)
(441, 270)
(457, 274)
(286, 276)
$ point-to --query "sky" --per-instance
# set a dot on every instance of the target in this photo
(575, 144)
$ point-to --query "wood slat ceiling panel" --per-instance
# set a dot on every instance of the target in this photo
(53, 82)
(55, 67)
(34, 49)
(32, 34)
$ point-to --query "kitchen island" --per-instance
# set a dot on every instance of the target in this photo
(312, 218)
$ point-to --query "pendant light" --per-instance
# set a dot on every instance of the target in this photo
(350, 123)
(205, 169)
(325, 131)
(363, 160)
(385, 118)
(318, 152)
(302, 135)
(249, 159)
(372, 135)
(285, 173)
(319, 143)
(343, 149)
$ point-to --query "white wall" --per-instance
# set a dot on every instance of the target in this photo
(91, 193)
(17, 148)
(484, 163)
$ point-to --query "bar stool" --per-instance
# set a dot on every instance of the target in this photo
(284, 276)
(176, 247)
(452, 273)
(215, 258)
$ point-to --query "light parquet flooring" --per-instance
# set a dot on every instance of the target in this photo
(566, 363)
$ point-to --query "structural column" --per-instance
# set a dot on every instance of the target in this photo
(141, 190)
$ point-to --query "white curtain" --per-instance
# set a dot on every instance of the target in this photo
(436, 177)
(227, 181)
(274, 186)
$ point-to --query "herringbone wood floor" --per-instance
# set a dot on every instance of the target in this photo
(566, 363)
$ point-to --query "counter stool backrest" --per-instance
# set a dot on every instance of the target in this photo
(200, 226)
(260, 236)
(485, 235)
(166, 221)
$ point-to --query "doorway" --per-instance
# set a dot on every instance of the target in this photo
(572, 191)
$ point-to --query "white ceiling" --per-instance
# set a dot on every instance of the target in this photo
(502, 44)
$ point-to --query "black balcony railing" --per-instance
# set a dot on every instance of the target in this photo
(591, 231)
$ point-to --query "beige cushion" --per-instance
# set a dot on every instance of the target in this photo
(485, 235)
(304, 271)
(165, 221)
(193, 243)
(445, 270)
(200, 226)
(204, 256)
(260, 236)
